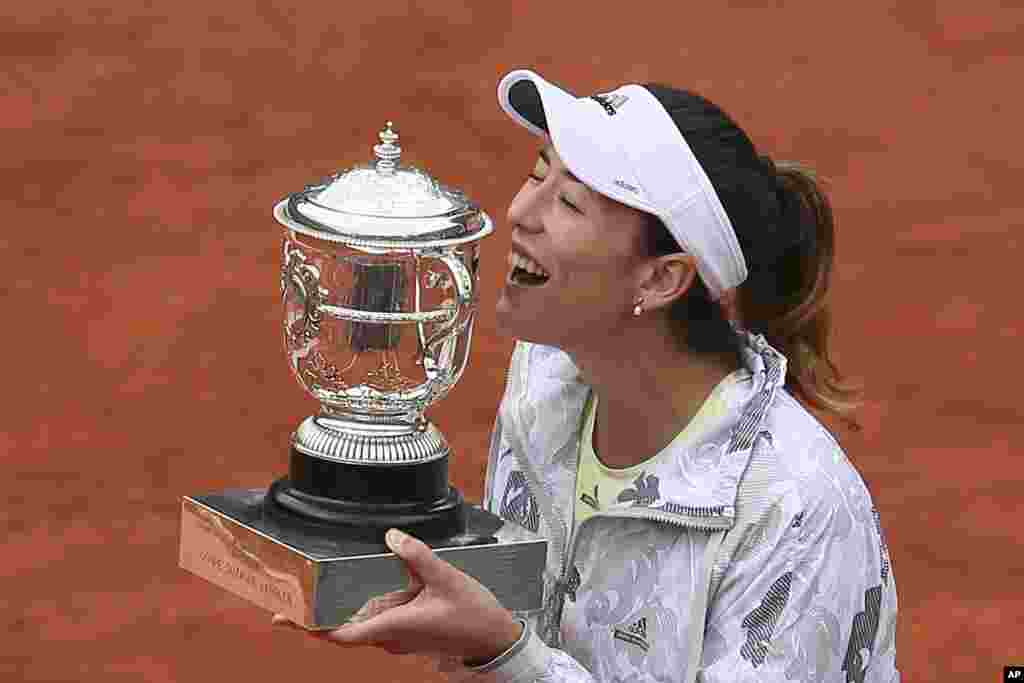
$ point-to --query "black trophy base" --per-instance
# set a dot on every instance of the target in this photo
(365, 501)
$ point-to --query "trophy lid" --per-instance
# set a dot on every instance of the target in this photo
(384, 203)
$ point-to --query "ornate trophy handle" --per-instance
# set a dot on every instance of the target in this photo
(464, 294)
(305, 278)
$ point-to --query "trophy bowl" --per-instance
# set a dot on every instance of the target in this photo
(379, 289)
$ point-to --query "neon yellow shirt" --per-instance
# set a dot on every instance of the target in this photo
(597, 484)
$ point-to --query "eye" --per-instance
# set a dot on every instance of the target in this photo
(568, 203)
(536, 178)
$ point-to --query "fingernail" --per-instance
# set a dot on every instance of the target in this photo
(394, 538)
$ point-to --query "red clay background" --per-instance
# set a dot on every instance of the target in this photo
(144, 144)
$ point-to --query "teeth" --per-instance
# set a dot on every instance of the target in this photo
(516, 260)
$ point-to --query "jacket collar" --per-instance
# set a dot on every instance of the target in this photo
(545, 400)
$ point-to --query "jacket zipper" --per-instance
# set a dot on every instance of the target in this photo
(558, 525)
(703, 519)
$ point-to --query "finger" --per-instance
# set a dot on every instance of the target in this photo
(394, 647)
(382, 603)
(424, 566)
(415, 584)
(383, 627)
(282, 622)
(357, 631)
(326, 637)
(412, 588)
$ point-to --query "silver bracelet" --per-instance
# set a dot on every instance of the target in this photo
(507, 654)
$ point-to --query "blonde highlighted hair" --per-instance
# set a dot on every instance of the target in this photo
(801, 327)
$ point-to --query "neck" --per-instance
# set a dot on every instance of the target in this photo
(645, 399)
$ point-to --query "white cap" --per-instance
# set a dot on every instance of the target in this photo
(625, 145)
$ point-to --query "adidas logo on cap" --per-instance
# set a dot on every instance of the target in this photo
(611, 103)
(626, 186)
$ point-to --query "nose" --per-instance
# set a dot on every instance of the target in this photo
(525, 210)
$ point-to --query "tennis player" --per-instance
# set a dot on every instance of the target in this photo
(667, 288)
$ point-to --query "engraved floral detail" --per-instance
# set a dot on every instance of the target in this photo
(388, 375)
(304, 280)
(435, 279)
(323, 373)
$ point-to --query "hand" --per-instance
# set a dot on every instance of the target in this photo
(442, 610)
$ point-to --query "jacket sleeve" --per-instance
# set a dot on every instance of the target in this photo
(529, 659)
(809, 596)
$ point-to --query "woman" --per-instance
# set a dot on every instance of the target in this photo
(667, 289)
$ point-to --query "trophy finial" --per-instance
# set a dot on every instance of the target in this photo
(388, 151)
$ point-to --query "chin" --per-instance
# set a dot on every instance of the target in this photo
(533, 334)
(510, 322)
(520, 330)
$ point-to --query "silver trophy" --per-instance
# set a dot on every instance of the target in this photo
(379, 281)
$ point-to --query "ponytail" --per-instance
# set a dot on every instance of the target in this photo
(794, 314)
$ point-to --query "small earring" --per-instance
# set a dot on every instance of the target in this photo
(638, 309)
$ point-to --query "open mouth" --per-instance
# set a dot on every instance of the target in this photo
(524, 278)
(524, 272)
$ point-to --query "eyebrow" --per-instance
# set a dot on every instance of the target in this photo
(547, 160)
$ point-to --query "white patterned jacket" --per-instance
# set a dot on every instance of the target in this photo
(761, 536)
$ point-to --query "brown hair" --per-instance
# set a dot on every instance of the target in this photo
(785, 226)
(799, 324)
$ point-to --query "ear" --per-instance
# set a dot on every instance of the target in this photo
(669, 278)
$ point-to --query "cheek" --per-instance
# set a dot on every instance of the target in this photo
(590, 262)
(590, 285)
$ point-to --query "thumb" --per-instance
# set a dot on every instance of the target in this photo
(419, 557)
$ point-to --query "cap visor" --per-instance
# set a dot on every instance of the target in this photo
(578, 128)
(529, 99)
